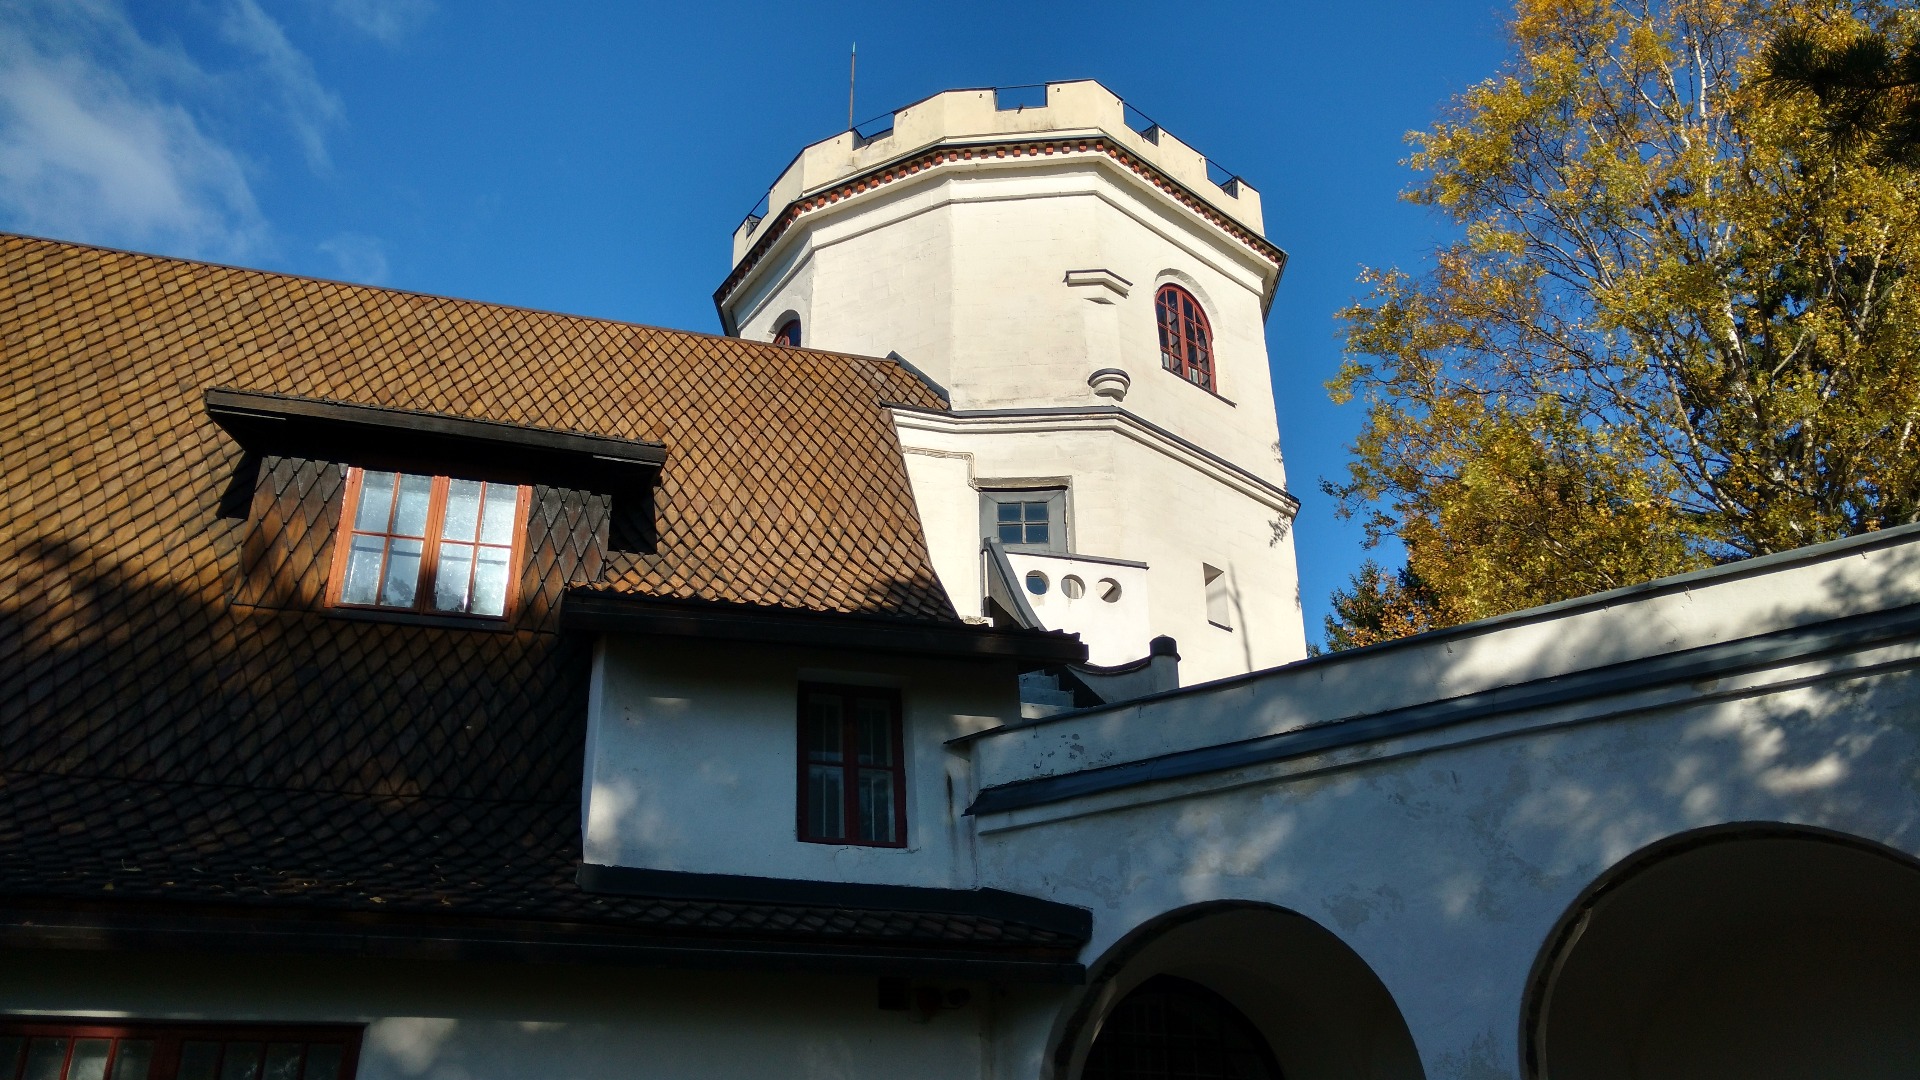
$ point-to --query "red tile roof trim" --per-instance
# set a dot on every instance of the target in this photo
(881, 175)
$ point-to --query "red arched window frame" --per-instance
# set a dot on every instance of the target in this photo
(788, 334)
(1186, 341)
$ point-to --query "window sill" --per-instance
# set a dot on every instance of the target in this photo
(421, 618)
(901, 846)
(1229, 402)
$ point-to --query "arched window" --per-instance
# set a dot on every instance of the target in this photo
(1176, 1029)
(788, 334)
(1186, 342)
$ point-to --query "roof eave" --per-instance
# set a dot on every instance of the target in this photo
(69, 926)
(619, 613)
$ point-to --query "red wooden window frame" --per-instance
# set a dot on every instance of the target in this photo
(167, 1041)
(430, 550)
(1186, 338)
(851, 766)
(788, 334)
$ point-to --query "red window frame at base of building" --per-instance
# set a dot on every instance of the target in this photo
(850, 766)
(168, 1040)
(430, 555)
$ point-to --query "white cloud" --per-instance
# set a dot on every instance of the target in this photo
(113, 137)
(307, 106)
(361, 259)
(93, 146)
(386, 21)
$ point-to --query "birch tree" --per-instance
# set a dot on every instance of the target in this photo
(1676, 326)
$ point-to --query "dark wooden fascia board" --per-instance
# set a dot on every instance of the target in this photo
(248, 933)
(385, 437)
(998, 904)
(620, 614)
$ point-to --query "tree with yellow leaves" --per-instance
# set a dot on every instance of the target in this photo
(1676, 327)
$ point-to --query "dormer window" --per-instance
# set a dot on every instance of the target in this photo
(788, 334)
(428, 544)
(1186, 341)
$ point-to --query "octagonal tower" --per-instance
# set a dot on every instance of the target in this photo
(1091, 295)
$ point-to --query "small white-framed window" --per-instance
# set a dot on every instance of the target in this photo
(1025, 519)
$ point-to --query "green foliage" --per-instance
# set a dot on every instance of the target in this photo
(1675, 328)
(1380, 606)
(1867, 85)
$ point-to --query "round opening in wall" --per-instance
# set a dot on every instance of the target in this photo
(1073, 587)
(1108, 590)
(1036, 583)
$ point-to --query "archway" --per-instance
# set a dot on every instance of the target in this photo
(1755, 951)
(1246, 991)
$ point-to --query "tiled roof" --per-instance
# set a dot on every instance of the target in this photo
(169, 738)
(491, 859)
(783, 484)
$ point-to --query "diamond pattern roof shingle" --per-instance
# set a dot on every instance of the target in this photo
(165, 743)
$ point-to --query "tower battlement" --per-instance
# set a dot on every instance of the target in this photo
(1065, 110)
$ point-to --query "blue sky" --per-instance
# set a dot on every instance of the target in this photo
(593, 158)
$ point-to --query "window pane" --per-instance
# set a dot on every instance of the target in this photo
(133, 1059)
(45, 1058)
(323, 1062)
(403, 573)
(1035, 511)
(1010, 534)
(826, 802)
(89, 1059)
(823, 728)
(874, 722)
(242, 1063)
(376, 502)
(1037, 534)
(363, 570)
(283, 1062)
(463, 510)
(410, 515)
(876, 806)
(490, 582)
(1007, 511)
(450, 581)
(198, 1060)
(10, 1048)
(496, 525)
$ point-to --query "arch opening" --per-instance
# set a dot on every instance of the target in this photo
(1169, 1026)
(1249, 991)
(1751, 952)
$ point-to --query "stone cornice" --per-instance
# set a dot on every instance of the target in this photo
(952, 154)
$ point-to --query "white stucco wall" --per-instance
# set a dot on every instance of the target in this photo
(1808, 586)
(692, 750)
(1444, 859)
(1132, 495)
(963, 270)
(963, 273)
(1117, 630)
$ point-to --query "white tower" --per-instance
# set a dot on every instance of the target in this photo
(1093, 303)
